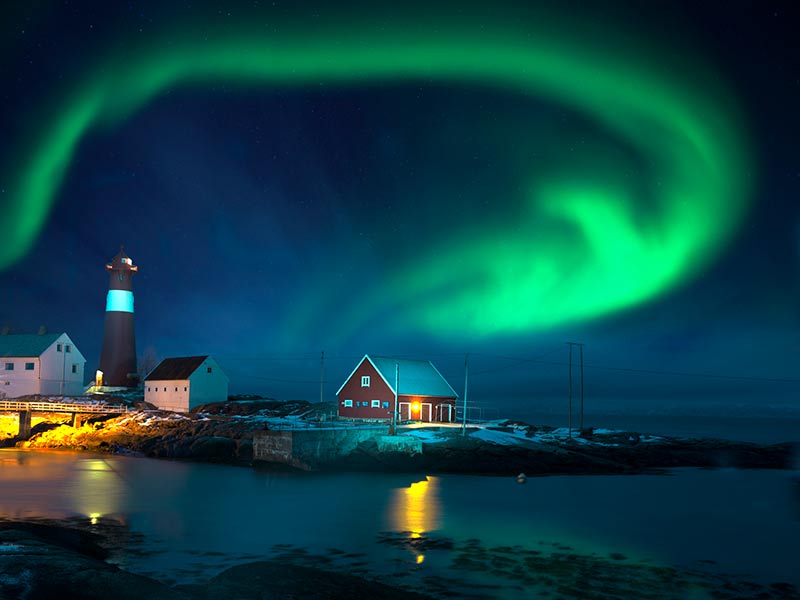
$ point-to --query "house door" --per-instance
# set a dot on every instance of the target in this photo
(405, 411)
(425, 412)
(446, 413)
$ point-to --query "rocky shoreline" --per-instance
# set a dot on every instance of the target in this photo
(468, 456)
(224, 434)
(54, 560)
(72, 559)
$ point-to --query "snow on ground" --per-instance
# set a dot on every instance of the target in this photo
(428, 436)
(147, 418)
(508, 435)
(502, 433)
(495, 437)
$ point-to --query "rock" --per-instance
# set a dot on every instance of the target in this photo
(214, 448)
(34, 567)
(55, 560)
(272, 579)
(244, 451)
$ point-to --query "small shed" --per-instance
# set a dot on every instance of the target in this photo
(423, 394)
(181, 384)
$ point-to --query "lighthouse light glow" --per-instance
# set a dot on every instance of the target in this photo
(119, 300)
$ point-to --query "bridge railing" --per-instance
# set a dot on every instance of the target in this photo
(70, 407)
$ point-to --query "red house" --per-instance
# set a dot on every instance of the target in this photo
(423, 394)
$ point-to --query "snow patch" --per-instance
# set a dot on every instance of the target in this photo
(493, 436)
(428, 436)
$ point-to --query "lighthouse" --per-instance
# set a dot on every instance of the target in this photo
(118, 357)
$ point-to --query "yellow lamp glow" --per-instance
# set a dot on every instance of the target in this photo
(415, 407)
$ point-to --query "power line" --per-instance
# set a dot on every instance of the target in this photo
(310, 357)
(304, 381)
(520, 360)
(686, 374)
(517, 361)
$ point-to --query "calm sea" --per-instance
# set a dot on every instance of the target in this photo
(183, 522)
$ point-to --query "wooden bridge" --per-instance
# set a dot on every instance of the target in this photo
(76, 409)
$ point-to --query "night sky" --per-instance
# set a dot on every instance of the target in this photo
(417, 181)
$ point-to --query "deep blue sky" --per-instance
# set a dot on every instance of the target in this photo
(257, 216)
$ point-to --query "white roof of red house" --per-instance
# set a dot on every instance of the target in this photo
(417, 377)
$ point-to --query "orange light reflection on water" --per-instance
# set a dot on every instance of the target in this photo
(416, 510)
(57, 484)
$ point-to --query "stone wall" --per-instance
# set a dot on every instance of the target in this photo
(309, 448)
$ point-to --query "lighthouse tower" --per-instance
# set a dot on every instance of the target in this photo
(118, 357)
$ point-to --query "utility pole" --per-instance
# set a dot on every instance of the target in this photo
(466, 383)
(393, 426)
(581, 387)
(321, 374)
(63, 370)
(569, 405)
(569, 420)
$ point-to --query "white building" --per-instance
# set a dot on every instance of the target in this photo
(181, 384)
(47, 364)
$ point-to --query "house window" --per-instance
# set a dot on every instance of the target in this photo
(74, 368)
(185, 389)
(58, 347)
(376, 404)
(386, 404)
(348, 403)
(365, 381)
(176, 389)
(165, 389)
(9, 366)
(67, 348)
(29, 366)
(148, 388)
(209, 370)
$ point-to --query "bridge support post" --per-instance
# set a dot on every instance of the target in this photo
(76, 420)
(24, 424)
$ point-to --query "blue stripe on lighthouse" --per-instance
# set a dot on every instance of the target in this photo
(119, 300)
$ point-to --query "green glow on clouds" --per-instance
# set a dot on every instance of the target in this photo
(583, 245)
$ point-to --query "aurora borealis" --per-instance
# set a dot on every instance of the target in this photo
(697, 159)
(460, 178)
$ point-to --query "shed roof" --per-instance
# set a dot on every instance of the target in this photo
(417, 377)
(26, 344)
(171, 369)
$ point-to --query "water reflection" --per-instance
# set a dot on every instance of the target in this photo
(416, 510)
(188, 522)
(97, 489)
(59, 485)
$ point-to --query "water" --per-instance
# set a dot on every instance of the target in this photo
(198, 519)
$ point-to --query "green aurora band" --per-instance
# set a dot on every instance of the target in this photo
(582, 246)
